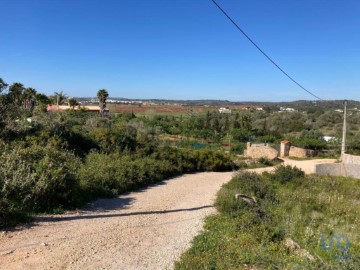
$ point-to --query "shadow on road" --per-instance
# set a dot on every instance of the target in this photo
(105, 205)
(92, 216)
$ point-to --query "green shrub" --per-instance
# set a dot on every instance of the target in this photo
(309, 140)
(250, 184)
(10, 215)
(265, 161)
(39, 179)
(14, 191)
(237, 149)
(241, 134)
(111, 140)
(108, 175)
(190, 160)
(285, 174)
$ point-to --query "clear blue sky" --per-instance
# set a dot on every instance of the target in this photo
(182, 49)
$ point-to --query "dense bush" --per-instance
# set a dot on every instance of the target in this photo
(309, 140)
(241, 135)
(189, 160)
(237, 149)
(15, 185)
(38, 179)
(265, 161)
(110, 140)
(250, 184)
(111, 174)
(285, 174)
(10, 215)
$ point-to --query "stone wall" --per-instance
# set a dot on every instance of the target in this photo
(261, 151)
(297, 152)
(338, 169)
(301, 152)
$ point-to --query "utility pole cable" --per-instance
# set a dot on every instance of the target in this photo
(260, 50)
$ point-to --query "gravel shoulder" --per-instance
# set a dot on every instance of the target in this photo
(145, 229)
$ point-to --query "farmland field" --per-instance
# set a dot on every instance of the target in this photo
(168, 109)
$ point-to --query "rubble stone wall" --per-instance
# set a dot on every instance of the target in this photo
(301, 152)
(261, 151)
(297, 152)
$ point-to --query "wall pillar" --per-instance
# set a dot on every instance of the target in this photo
(284, 148)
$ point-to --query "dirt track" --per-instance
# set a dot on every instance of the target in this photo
(146, 229)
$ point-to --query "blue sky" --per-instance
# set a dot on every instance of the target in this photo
(182, 49)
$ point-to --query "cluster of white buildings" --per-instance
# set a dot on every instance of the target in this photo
(284, 109)
(116, 101)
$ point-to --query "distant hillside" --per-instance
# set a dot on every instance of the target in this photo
(316, 105)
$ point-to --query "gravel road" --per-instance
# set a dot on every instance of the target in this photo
(146, 229)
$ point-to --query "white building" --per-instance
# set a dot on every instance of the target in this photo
(224, 110)
(283, 109)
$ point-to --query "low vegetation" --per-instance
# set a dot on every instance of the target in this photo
(61, 160)
(44, 173)
(317, 215)
(249, 163)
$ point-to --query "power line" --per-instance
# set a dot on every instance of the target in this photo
(257, 47)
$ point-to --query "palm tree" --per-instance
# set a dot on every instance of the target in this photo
(28, 98)
(72, 103)
(59, 98)
(102, 95)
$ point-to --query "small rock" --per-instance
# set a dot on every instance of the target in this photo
(292, 245)
(44, 244)
(305, 254)
(250, 267)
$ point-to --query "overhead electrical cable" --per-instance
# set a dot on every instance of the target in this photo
(268, 57)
